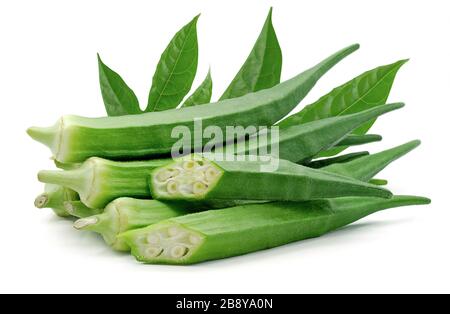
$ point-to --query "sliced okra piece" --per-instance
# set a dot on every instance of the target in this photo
(200, 178)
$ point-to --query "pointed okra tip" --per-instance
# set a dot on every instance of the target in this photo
(191, 177)
(163, 243)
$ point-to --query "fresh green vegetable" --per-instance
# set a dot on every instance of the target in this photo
(262, 69)
(320, 163)
(199, 178)
(125, 214)
(176, 70)
(74, 138)
(79, 209)
(116, 179)
(365, 168)
(54, 198)
(367, 90)
(302, 142)
(119, 99)
(378, 182)
(243, 229)
(202, 95)
(99, 181)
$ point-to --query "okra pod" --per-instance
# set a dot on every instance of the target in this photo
(115, 179)
(365, 168)
(125, 214)
(54, 198)
(75, 138)
(302, 142)
(199, 178)
(233, 231)
(100, 181)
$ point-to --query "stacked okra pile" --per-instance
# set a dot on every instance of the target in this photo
(117, 175)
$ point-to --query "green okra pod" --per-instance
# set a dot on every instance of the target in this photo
(74, 138)
(365, 168)
(233, 231)
(302, 142)
(320, 163)
(100, 181)
(125, 214)
(54, 198)
(199, 178)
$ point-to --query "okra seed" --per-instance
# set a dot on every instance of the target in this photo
(164, 175)
(178, 251)
(210, 174)
(199, 187)
(153, 251)
(194, 239)
(153, 239)
(173, 231)
(189, 165)
(172, 187)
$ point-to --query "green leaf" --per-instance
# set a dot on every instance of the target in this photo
(262, 69)
(176, 70)
(366, 91)
(119, 99)
(202, 95)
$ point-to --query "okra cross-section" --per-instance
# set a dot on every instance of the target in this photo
(239, 230)
(199, 178)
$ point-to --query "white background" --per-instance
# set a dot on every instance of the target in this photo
(48, 67)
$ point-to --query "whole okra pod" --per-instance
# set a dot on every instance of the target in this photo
(74, 138)
(222, 233)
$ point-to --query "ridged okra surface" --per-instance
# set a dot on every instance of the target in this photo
(199, 178)
(74, 138)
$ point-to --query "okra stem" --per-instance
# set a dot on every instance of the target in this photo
(125, 214)
(100, 181)
(79, 209)
(239, 230)
(54, 198)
